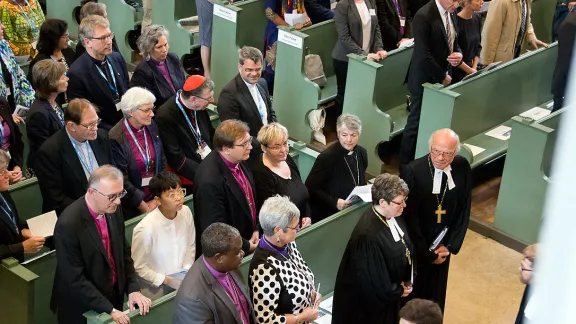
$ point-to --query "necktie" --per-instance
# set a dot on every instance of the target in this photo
(522, 30)
(259, 104)
(449, 31)
(399, 15)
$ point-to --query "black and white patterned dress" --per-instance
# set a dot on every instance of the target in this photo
(279, 285)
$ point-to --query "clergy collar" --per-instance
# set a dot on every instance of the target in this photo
(72, 139)
(249, 85)
(344, 151)
(98, 62)
(134, 129)
(217, 274)
(156, 62)
(392, 225)
(229, 164)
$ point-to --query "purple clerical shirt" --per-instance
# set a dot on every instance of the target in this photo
(163, 68)
(102, 227)
(242, 180)
(232, 290)
(139, 134)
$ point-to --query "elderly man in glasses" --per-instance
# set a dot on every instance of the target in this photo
(95, 268)
(65, 161)
(437, 217)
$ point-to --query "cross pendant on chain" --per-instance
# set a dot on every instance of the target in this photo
(439, 212)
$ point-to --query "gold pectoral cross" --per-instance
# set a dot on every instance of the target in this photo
(439, 212)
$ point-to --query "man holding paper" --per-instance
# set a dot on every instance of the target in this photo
(437, 219)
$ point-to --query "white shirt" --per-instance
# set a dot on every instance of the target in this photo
(85, 155)
(438, 179)
(366, 25)
(443, 16)
(161, 246)
(259, 101)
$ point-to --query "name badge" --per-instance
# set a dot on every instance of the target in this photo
(203, 151)
(402, 21)
(146, 181)
(8, 91)
(34, 43)
(117, 102)
(372, 12)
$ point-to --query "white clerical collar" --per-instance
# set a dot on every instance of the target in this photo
(249, 85)
(438, 179)
(395, 229)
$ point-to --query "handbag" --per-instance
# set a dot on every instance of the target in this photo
(316, 120)
(314, 69)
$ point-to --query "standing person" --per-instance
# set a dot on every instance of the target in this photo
(92, 7)
(440, 189)
(376, 270)
(469, 32)
(421, 311)
(95, 269)
(147, 19)
(395, 21)
(22, 19)
(435, 52)
(566, 37)
(11, 142)
(205, 10)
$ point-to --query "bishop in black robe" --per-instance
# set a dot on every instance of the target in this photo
(368, 285)
(423, 226)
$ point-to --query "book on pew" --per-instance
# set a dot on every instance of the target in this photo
(361, 193)
(487, 68)
(179, 275)
(43, 225)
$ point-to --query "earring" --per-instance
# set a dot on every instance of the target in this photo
(277, 239)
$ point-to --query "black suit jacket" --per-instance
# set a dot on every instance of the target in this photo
(149, 77)
(566, 35)
(60, 173)
(178, 140)
(429, 58)
(86, 82)
(10, 239)
(219, 198)
(389, 22)
(16, 145)
(318, 10)
(83, 279)
(41, 123)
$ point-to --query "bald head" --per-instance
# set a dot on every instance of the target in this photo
(444, 144)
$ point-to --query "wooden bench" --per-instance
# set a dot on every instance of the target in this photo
(64, 10)
(181, 40)
(119, 14)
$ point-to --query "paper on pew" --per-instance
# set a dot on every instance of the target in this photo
(327, 304)
(361, 193)
(294, 18)
(536, 113)
(475, 149)
(179, 275)
(43, 225)
(501, 132)
(407, 43)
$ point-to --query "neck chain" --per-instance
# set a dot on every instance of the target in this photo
(356, 181)
(383, 219)
(305, 273)
(432, 174)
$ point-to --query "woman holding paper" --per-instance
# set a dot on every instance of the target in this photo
(376, 269)
(281, 284)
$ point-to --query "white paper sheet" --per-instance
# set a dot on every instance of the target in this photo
(21, 111)
(536, 113)
(324, 319)
(327, 304)
(294, 18)
(179, 275)
(361, 193)
(501, 132)
(475, 149)
(550, 104)
(407, 43)
(43, 225)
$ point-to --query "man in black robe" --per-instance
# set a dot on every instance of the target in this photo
(440, 186)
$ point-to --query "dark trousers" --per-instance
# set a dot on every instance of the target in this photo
(558, 102)
(341, 71)
(410, 135)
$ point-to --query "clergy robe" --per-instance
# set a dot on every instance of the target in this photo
(422, 222)
(368, 285)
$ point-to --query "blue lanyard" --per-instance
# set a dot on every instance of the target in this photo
(112, 87)
(30, 21)
(146, 156)
(80, 157)
(259, 103)
(195, 131)
(9, 211)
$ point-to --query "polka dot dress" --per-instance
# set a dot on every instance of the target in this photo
(279, 286)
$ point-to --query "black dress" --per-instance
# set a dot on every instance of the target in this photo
(334, 175)
(469, 31)
(368, 285)
(269, 184)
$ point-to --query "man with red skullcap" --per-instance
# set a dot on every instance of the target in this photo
(185, 128)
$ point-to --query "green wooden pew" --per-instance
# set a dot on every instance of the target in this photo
(27, 197)
(473, 107)
(181, 40)
(234, 26)
(294, 94)
(64, 10)
(526, 176)
(375, 92)
(184, 9)
(119, 14)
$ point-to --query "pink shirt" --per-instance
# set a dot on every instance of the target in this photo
(139, 134)
(242, 180)
(163, 68)
(102, 227)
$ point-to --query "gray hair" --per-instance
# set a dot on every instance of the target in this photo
(149, 38)
(388, 186)
(4, 159)
(447, 131)
(277, 211)
(106, 171)
(92, 8)
(218, 238)
(135, 98)
(249, 53)
(349, 122)
(88, 24)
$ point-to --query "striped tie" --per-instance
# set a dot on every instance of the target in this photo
(449, 31)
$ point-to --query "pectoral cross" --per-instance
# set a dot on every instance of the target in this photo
(439, 212)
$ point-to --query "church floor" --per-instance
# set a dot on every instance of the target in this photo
(483, 284)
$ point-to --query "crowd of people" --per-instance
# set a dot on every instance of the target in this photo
(106, 148)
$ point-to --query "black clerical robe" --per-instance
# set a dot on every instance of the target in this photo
(422, 221)
(368, 286)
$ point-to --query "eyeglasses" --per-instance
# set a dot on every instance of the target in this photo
(209, 99)
(445, 154)
(147, 111)
(401, 203)
(245, 144)
(93, 125)
(249, 70)
(112, 197)
(278, 147)
(177, 194)
(297, 228)
(104, 38)
(65, 36)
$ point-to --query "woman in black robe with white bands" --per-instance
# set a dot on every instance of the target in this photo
(376, 269)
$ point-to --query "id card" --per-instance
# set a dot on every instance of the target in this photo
(372, 12)
(117, 102)
(8, 91)
(34, 43)
(402, 21)
(146, 181)
(203, 151)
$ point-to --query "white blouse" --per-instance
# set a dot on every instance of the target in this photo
(366, 25)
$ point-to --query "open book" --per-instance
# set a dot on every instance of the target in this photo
(361, 193)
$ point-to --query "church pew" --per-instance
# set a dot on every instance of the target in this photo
(294, 94)
(541, 16)
(27, 197)
(181, 40)
(64, 10)
(375, 92)
(526, 176)
(120, 23)
(303, 156)
(474, 107)
(234, 26)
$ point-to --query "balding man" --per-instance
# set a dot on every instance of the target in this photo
(440, 186)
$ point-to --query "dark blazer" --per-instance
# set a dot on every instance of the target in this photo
(318, 10)
(10, 239)
(41, 123)
(16, 145)
(149, 77)
(60, 173)
(219, 198)
(83, 279)
(431, 49)
(80, 49)
(125, 160)
(349, 27)
(178, 140)
(67, 52)
(566, 35)
(86, 82)
(389, 22)
(201, 299)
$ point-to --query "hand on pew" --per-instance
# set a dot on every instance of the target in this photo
(144, 303)
(446, 80)
(380, 55)
(341, 204)
(535, 42)
(15, 175)
(306, 221)
(401, 41)
(119, 317)
(172, 282)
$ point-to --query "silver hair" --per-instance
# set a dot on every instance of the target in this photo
(4, 159)
(88, 24)
(451, 133)
(135, 98)
(387, 187)
(348, 122)
(277, 211)
(249, 53)
(218, 238)
(106, 171)
(149, 38)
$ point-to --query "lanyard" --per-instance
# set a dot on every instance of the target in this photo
(195, 131)
(259, 102)
(112, 87)
(2, 132)
(146, 156)
(81, 157)
(9, 211)
(30, 21)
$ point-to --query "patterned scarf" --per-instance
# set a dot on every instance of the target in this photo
(22, 90)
